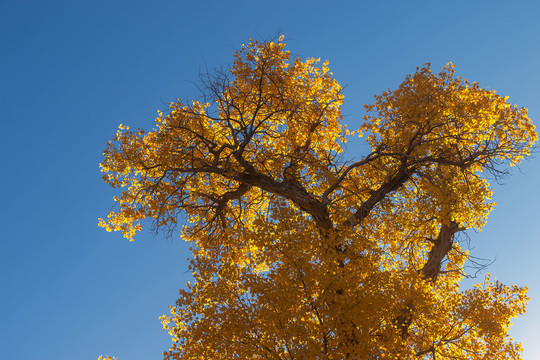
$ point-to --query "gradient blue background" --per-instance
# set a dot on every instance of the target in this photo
(72, 71)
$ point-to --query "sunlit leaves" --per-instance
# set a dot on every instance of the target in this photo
(298, 253)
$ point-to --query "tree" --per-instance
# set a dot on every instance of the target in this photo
(299, 253)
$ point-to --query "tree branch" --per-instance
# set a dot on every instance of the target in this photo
(441, 246)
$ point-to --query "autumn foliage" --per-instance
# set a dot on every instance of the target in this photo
(299, 252)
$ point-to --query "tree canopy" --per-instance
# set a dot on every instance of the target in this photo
(302, 251)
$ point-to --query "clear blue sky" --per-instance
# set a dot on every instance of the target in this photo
(72, 71)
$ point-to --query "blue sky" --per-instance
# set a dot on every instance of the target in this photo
(72, 71)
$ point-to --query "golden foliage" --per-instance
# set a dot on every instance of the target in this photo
(299, 254)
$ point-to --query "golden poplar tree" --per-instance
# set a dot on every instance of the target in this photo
(301, 253)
